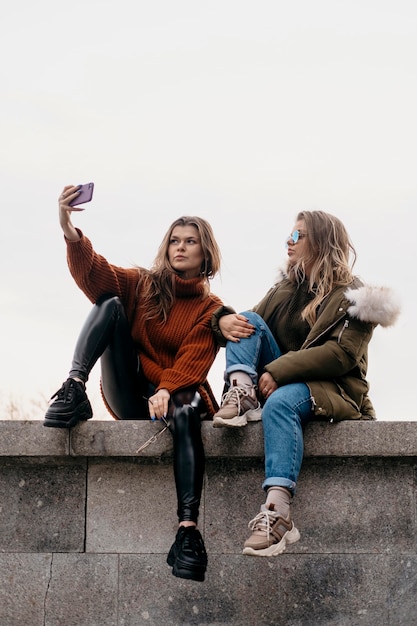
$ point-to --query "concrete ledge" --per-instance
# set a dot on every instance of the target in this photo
(86, 524)
(122, 439)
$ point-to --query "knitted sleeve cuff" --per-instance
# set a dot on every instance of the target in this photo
(218, 313)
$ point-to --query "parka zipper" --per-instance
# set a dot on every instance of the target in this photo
(345, 325)
(326, 330)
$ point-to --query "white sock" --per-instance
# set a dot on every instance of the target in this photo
(240, 378)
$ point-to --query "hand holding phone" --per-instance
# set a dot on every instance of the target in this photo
(85, 193)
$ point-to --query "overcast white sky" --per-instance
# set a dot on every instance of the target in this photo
(242, 112)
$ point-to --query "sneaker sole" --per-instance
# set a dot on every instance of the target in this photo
(190, 572)
(291, 536)
(233, 422)
(81, 416)
(251, 415)
(254, 415)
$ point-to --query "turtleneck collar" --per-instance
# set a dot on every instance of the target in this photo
(188, 288)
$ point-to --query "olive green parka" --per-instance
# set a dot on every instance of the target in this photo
(333, 360)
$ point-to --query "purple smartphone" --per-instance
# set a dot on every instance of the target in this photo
(85, 194)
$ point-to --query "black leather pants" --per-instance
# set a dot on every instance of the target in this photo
(106, 335)
(189, 457)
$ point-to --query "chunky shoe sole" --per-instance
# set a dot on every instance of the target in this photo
(251, 415)
(233, 422)
(186, 570)
(83, 414)
(254, 415)
(291, 536)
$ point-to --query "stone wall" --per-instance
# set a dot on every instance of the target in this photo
(86, 523)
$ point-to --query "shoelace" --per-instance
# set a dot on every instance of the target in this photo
(64, 391)
(263, 522)
(234, 395)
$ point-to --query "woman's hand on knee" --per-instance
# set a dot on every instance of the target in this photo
(235, 327)
(267, 385)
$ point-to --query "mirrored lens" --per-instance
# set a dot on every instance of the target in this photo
(294, 237)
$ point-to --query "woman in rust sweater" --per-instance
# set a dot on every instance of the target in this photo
(151, 330)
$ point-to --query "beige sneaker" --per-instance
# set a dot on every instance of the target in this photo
(239, 405)
(271, 533)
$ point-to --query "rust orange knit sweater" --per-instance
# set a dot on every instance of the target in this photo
(173, 355)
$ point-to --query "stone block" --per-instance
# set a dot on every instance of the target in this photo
(82, 590)
(361, 438)
(31, 438)
(24, 580)
(233, 496)
(132, 507)
(299, 590)
(353, 505)
(109, 438)
(229, 443)
(402, 590)
(119, 439)
(124, 438)
(42, 506)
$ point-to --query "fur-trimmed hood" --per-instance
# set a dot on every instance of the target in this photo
(368, 303)
(377, 305)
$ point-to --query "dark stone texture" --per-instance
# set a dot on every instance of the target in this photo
(82, 590)
(42, 507)
(86, 524)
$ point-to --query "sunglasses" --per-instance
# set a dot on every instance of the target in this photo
(294, 237)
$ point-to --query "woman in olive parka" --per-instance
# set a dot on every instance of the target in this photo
(303, 352)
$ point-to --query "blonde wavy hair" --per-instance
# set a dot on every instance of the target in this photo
(330, 258)
(159, 284)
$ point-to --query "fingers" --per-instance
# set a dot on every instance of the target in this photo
(244, 331)
(267, 391)
(158, 406)
(236, 335)
(243, 324)
(267, 385)
(235, 326)
(244, 319)
(68, 194)
(233, 339)
(238, 329)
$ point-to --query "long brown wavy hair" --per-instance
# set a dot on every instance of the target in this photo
(330, 258)
(159, 284)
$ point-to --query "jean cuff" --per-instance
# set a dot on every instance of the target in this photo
(241, 368)
(279, 482)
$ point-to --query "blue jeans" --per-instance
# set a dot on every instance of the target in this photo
(285, 412)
